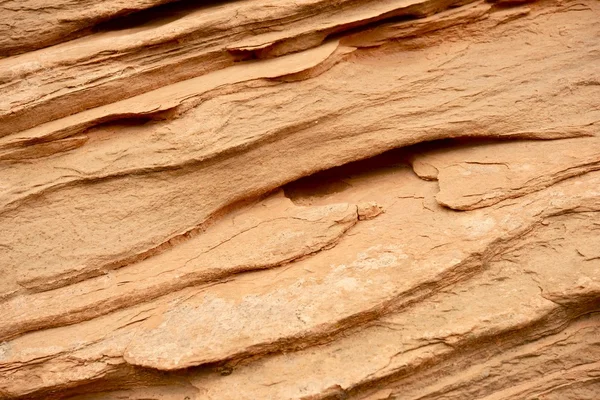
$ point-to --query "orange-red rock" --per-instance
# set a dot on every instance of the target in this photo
(250, 199)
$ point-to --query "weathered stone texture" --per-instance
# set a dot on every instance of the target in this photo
(286, 199)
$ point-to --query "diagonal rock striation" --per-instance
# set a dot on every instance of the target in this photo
(250, 199)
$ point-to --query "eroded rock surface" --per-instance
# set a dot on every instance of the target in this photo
(251, 199)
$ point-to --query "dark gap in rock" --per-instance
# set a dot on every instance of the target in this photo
(155, 16)
(110, 126)
(240, 55)
(109, 122)
(327, 182)
(360, 26)
(406, 14)
(332, 181)
(506, 4)
(134, 120)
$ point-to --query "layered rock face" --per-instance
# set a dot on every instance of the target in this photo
(300, 199)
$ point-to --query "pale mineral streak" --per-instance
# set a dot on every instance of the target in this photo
(284, 199)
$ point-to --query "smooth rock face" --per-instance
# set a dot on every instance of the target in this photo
(268, 199)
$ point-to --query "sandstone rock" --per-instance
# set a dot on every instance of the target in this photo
(282, 233)
(476, 176)
(33, 24)
(250, 199)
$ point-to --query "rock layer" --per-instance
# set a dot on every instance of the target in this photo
(300, 200)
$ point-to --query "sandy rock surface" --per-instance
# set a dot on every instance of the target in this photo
(284, 199)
